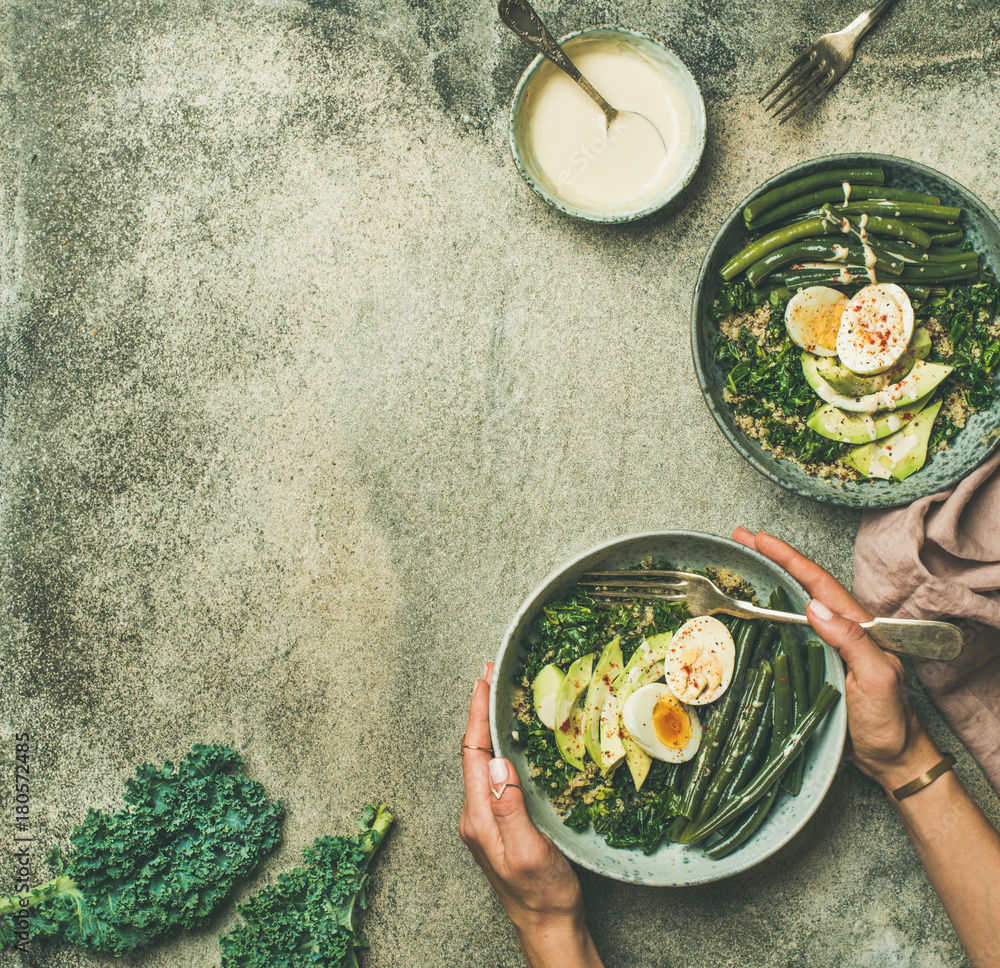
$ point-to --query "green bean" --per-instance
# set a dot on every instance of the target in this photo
(745, 827)
(947, 238)
(805, 203)
(781, 721)
(810, 183)
(941, 272)
(737, 747)
(718, 727)
(781, 711)
(916, 292)
(908, 210)
(775, 767)
(895, 195)
(781, 293)
(832, 276)
(678, 777)
(816, 663)
(932, 225)
(786, 235)
(935, 254)
(816, 251)
(757, 748)
(894, 228)
(764, 643)
(677, 828)
(792, 782)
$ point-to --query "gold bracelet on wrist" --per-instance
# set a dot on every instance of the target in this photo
(929, 777)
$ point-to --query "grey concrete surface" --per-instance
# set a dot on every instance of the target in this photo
(303, 390)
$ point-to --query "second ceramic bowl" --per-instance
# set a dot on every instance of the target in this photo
(946, 468)
(671, 864)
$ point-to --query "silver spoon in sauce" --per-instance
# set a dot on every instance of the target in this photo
(520, 16)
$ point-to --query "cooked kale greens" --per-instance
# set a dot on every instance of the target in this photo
(575, 626)
(309, 917)
(772, 388)
(736, 298)
(966, 312)
(630, 818)
(164, 861)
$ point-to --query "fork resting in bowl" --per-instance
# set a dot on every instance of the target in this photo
(904, 636)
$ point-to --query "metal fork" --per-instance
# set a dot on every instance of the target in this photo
(816, 70)
(904, 636)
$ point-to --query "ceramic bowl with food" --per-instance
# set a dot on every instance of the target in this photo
(944, 468)
(580, 166)
(671, 863)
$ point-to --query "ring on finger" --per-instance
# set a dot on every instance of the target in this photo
(498, 791)
(466, 746)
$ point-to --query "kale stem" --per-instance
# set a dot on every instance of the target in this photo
(15, 903)
(381, 823)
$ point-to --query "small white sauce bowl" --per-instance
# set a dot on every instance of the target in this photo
(694, 137)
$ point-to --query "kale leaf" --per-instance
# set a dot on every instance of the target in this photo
(309, 918)
(164, 861)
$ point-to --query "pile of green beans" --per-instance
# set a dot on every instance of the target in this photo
(752, 746)
(813, 231)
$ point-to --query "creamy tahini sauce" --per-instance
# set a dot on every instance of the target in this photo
(586, 164)
(861, 232)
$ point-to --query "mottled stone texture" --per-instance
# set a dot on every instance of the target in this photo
(302, 391)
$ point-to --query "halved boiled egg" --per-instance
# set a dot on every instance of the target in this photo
(659, 723)
(875, 329)
(700, 660)
(812, 318)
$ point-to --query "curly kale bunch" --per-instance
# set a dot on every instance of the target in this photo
(309, 918)
(164, 861)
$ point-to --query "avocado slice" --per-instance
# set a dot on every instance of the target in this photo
(612, 748)
(899, 454)
(836, 424)
(889, 421)
(545, 691)
(648, 652)
(919, 382)
(615, 744)
(608, 667)
(850, 384)
(638, 760)
(861, 428)
(569, 712)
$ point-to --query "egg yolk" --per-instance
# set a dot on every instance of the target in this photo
(671, 723)
(817, 321)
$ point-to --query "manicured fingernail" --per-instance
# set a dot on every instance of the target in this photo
(486, 670)
(498, 770)
(820, 610)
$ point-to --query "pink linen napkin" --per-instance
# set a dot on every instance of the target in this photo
(939, 558)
